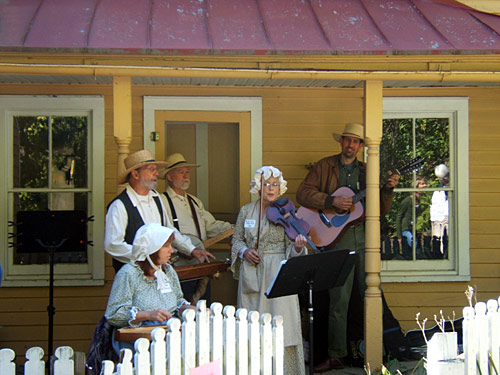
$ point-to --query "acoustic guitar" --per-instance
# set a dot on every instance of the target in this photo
(327, 226)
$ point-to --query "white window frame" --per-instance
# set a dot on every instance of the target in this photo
(457, 266)
(92, 272)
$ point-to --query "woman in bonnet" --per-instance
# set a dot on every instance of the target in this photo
(146, 291)
(258, 247)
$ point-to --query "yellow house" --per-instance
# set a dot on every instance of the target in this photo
(235, 85)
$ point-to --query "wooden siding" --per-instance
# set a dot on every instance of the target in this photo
(297, 128)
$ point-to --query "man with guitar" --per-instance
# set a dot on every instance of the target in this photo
(317, 192)
(189, 217)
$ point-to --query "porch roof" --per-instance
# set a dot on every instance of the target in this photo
(247, 27)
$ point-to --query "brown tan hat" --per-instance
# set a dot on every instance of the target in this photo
(175, 161)
(136, 160)
(351, 130)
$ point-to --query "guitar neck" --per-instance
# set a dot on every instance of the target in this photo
(356, 198)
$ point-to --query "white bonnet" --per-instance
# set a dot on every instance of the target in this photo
(268, 172)
(149, 239)
(441, 171)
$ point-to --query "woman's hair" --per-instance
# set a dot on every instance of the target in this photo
(265, 173)
(144, 264)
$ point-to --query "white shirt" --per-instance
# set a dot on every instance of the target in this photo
(439, 206)
(117, 220)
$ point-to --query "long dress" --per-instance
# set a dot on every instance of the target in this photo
(253, 281)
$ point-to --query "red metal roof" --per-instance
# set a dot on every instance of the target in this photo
(246, 27)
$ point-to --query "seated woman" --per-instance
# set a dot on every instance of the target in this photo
(258, 248)
(146, 291)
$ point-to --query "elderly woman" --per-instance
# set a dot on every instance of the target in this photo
(146, 291)
(258, 248)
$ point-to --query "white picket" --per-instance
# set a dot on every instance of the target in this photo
(242, 341)
(254, 341)
(188, 340)
(482, 329)
(239, 342)
(493, 334)
(216, 332)
(469, 340)
(278, 352)
(266, 341)
(34, 364)
(142, 357)
(7, 365)
(158, 352)
(229, 362)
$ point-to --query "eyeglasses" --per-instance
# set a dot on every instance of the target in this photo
(268, 184)
(151, 169)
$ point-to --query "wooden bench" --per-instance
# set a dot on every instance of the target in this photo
(132, 334)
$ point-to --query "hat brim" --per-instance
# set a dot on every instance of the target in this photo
(337, 136)
(122, 177)
(163, 173)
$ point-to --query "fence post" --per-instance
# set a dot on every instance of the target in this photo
(266, 344)
(203, 331)
(141, 357)
(254, 342)
(34, 365)
(493, 339)
(64, 364)
(107, 367)
(188, 340)
(174, 346)
(469, 340)
(242, 341)
(7, 365)
(216, 332)
(229, 365)
(125, 365)
(482, 330)
(278, 345)
(158, 352)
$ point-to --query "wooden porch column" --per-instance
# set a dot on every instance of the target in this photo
(373, 300)
(122, 118)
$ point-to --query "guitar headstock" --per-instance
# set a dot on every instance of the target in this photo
(411, 166)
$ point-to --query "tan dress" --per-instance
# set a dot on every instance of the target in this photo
(253, 281)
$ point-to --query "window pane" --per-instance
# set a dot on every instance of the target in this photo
(30, 158)
(69, 152)
(39, 202)
(417, 225)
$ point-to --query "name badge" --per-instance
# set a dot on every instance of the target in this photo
(249, 223)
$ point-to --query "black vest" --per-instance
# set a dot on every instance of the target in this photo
(135, 220)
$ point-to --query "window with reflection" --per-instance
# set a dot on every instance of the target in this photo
(418, 225)
(50, 172)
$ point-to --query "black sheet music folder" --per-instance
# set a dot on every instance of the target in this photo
(325, 270)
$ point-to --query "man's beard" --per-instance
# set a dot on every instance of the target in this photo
(184, 185)
(151, 185)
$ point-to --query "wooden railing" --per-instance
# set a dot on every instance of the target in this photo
(233, 341)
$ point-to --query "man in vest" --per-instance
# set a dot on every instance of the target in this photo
(189, 216)
(137, 205)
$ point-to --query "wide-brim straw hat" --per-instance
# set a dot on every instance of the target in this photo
(136, 160)
(176, 160)
(351, 130)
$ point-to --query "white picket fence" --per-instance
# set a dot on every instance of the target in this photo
(481, 344)
(234, 340)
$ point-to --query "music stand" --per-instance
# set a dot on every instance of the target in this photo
(51, 232)
(313, 272)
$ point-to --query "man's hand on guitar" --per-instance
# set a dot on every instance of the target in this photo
(342, 202)
(392, 180)
(251, 256)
